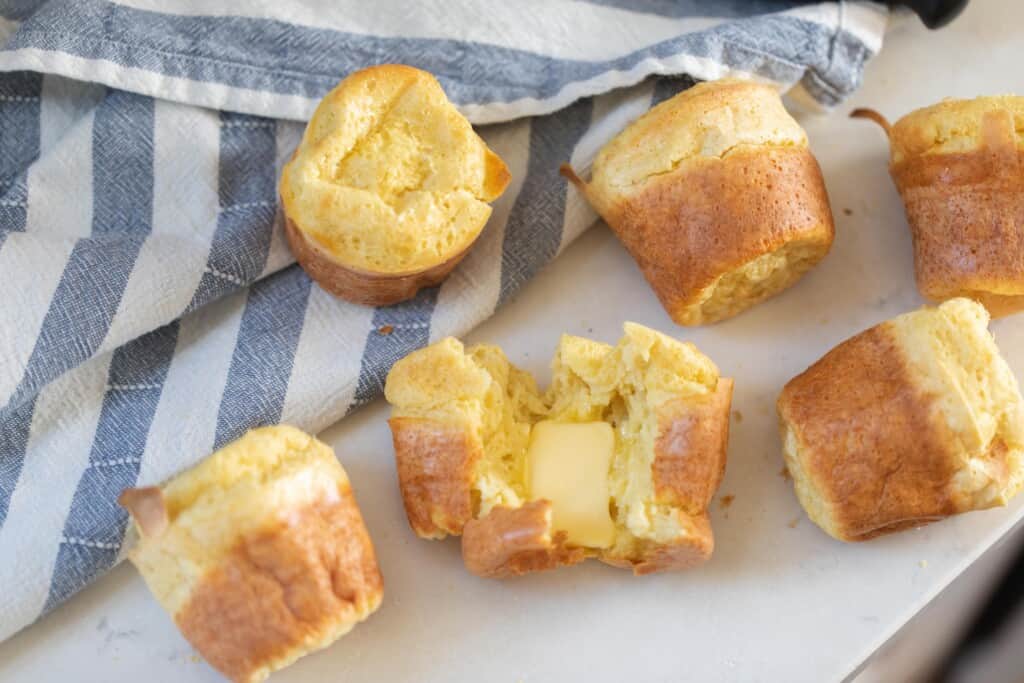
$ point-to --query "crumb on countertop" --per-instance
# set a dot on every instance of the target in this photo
(725, 501)
(784, 473)
(793, 522)
(848, 212)
(738, 416)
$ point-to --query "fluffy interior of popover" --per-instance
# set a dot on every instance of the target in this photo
(754, 281)
(957, 363)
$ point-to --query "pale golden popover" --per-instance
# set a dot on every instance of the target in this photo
(259, 553)
(389, 187)
(617, 460)
(717, 196)
(913, 420)
(959, 167)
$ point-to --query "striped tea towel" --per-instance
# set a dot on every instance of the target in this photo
(150, 311)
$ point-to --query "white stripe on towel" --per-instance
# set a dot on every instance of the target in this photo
(206, 343)
(185, 205)
(334, 331)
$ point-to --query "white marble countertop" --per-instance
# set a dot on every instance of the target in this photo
(779, 600)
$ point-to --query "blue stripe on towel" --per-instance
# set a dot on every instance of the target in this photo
(94, 278)
(246, 188)
(397, 330)
(552, 141)
(261, 365)
(95, 524)
(14, 430)
(273, 56)
(19, 145)
(16, 10)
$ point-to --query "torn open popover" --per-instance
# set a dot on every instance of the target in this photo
(617, 460)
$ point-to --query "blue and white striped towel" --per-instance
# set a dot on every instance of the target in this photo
(150, 311)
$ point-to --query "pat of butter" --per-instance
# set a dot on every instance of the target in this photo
(567, 463)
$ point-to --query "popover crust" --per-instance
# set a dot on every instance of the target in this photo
(959, 169)
(515, 541)
(717, 196)
(435, 469)
(311, 576)
(966, 215)
(259, 553)
(689, 455)
(362, 287)
(711, 216)
(911, 421)
(871, 442)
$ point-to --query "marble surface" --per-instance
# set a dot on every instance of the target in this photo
(779, 600)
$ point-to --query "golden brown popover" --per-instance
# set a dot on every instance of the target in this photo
(389, 187)
(959, 167)
(717, 196)
(259, 553)
(913, 420)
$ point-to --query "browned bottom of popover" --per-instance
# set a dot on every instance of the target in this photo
(360, 286)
